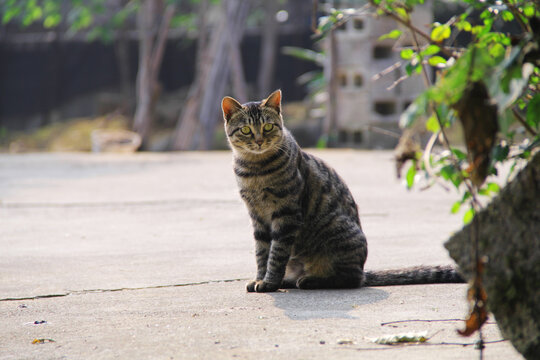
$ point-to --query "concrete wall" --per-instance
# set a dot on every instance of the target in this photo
(365, 103)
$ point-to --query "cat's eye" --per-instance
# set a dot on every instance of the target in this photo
(268, 127)
(245, 130)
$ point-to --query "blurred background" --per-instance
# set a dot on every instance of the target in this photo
(122, 75)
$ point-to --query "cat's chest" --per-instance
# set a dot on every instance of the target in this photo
(264, 197)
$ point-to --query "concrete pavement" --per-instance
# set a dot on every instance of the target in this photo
(146, 255)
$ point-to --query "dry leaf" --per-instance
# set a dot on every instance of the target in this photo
(479, 119)
(477, 298)
(420, 337)
(42, 341)
(407, 148)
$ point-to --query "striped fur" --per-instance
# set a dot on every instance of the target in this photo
(413, 275)
(305, 221)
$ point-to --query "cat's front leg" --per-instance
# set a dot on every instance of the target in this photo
(285, 230)
(262, 250)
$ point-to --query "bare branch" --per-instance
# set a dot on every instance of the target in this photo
(523, 122)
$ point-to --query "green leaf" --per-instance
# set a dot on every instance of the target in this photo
(411, 173)
(516, 87)
(430, 50)
(402, 13)
(52, 20)
(407, 54)
(432, 124)
(533, 111)
(36, 13)
(394, 34)
(418, 108)
(500, 152)
(486, 14)
(464, 25)
(459, 154)
(10, 14)
(468, 216)
(449, 172)
(441, 32)
(456, 206)
(449, 88)
(436, 60)
(410, 68)
(304, 54)
(483, 192)
(322, 143)
(528, 10)
(511, 73)
(496, 50)
(493, 187)
(507, 16)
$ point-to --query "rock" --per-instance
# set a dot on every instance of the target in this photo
(509, 235)
(121, 141)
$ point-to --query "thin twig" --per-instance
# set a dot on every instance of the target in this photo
(419, 320)
(415, 30)
(425, 76)
(427, 320)
(383, 131)
(517, 15)
(386, 71)
(397, 82)
(389, 347)
(523, 122)
(427, 162)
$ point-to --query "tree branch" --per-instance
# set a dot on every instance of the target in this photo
(523, 122)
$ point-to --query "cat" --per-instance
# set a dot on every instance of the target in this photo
(305, 221)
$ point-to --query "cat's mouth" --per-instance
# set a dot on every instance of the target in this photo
(258, 148)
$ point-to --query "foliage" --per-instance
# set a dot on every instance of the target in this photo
(491, 85)
(96, 17)
(506, 65)
(314, 80)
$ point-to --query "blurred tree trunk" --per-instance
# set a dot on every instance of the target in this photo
(330, 128)
(225, 64)
(269, 42)
(187, 124)
(196, 124)
(121, 48)
(151, 48)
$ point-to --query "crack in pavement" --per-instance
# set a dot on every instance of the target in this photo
(90, 204)
(93, 291)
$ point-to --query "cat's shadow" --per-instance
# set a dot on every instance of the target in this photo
(325, 304)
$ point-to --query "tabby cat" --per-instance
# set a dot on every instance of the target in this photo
(305, 220)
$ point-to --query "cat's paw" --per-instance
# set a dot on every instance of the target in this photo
(308, 282)
(250, 287)
(261, 286)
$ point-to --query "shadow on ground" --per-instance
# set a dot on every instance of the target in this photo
(325, 304)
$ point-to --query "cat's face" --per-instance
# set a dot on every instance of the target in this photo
(253, 127)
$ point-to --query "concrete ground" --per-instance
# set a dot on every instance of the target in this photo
(146, 256)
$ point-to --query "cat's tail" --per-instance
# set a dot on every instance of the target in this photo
(413, 275)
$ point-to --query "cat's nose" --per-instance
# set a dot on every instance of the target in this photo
(259, 141)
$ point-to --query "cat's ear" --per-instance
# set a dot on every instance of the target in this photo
(273, 101)
(229, 107)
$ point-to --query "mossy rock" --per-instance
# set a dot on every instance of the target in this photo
(509, 235)
(73, 135)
